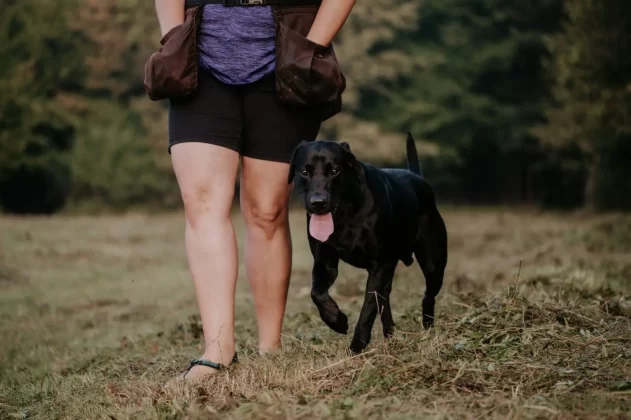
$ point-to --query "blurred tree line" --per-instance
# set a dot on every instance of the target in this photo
(510, 101)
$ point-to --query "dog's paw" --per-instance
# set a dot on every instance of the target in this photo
(428, 322)
(388, 332)
(357, 346)
(340, 325)
(354, 352)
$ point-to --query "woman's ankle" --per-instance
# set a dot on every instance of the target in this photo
(222, 355)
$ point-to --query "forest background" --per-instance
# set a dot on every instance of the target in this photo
(511, 102)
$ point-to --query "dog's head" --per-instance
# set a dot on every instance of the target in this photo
(323, 172)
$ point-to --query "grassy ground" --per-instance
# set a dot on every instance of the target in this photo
(98, 313)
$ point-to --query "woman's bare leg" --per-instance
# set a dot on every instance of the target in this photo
(264, 204)
(206, 176)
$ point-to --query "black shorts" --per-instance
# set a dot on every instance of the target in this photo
(248, 119)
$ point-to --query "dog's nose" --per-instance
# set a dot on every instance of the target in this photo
(318, 202)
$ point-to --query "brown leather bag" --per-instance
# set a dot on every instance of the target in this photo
(307, 74)
(171, 72)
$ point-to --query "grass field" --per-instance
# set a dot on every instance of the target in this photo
(534, 321)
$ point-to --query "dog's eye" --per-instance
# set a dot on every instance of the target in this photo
(304, 173)
(335, 171)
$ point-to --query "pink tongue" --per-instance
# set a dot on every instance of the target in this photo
(321, 226)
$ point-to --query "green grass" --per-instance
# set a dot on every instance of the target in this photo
(97, 314)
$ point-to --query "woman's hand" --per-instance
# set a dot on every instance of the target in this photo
(170, 14)
(329, 20)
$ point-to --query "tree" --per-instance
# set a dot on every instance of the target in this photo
(372, 24)
(39, 61)
(476, 89)
(120, 156)
(592, 92)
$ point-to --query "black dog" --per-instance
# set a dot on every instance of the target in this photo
(370, 218)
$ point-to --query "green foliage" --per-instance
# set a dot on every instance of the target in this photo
(477, 92)
(592, 92)
(115, 164)
(37, 184)
(373, 23)
(120, 153)
(39, 60)
(612, 187)
(68, 129)
(561, 177)
(509, 101)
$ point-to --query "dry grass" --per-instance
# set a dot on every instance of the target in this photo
(97, 314)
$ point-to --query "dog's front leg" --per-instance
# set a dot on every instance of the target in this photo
(379, 279)
(325, 266)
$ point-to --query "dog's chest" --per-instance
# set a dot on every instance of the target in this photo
(360, 244)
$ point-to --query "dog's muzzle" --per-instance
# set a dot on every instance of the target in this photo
(319, 203)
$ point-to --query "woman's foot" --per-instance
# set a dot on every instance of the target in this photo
(204, 367)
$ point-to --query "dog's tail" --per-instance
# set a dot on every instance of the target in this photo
(413, 163)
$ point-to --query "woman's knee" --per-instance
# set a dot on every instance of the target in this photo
(264, 195)
(267, 216)
(205, 175)
(203, 204)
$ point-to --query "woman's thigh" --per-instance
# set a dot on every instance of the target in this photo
(205, 139)
(206, 175)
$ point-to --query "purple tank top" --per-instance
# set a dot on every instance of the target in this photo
(237, 44)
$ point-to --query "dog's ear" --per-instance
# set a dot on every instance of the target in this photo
(351, 159)
(352, 162)
(292, 163)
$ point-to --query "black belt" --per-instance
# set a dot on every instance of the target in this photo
(190, 3)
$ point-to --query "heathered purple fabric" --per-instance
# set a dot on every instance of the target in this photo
(237, 44)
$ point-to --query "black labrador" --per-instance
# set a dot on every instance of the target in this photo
(370, 218)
